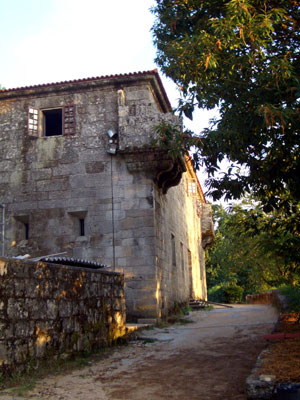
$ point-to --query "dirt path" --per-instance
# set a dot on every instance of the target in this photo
(208, 359)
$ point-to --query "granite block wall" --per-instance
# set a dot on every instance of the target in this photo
(53, 310)
(64, 193)
(180, 261)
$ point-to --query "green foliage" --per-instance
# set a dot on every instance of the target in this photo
(226, 293)
(253, 249)
(171, 140)
(233, 293)
(215, 293)
(185, 310)
(241, 56)
(292, 295)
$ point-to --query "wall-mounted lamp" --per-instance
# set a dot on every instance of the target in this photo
(112, 134)
(112, 142)
(112, 148)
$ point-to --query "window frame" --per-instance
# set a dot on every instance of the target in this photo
(44, 116)
(36, 122)
(33, 128)
(191, 187)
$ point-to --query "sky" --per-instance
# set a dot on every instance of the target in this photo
(45, 41)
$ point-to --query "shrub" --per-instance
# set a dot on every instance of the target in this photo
(216, 294)
(226, 293)
(233, 293)
(292, 295)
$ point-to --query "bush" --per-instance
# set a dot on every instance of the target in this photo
(216, 294)
(226, 293)
(233, 293)
(292, 295)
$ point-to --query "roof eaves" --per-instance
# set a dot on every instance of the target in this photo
(64, 84)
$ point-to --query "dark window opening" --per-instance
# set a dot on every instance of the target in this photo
(52, 122)
(190, 265)
(173, 250)
(26, 227)
(81, 227)
(21, 225)
(182, 258)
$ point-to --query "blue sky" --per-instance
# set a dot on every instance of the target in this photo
(45, 41)
(54, 40)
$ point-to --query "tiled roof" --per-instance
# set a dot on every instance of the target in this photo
(153, 72)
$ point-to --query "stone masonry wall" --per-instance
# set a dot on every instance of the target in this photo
(180, 276)
(48, 184)
(51, 310)
(269, 297)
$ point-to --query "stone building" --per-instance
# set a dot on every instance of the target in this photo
(81, 174)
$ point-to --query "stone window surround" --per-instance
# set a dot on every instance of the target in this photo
(22, 222)
(79, 218)
(36, 121)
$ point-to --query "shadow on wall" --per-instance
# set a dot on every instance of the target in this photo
(55, 310)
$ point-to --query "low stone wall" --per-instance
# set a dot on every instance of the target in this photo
(52, 310)
(263, 298)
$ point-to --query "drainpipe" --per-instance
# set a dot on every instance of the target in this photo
(112, 213)
(2, 229)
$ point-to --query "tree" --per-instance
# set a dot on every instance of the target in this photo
(241, 56)
(252, 251)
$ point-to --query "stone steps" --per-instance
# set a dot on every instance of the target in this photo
(197, 304)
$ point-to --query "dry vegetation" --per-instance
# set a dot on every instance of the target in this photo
(283, 361)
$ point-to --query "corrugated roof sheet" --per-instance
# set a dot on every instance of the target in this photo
(74, 262)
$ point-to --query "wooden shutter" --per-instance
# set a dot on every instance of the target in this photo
(69, 122)
(33, 121)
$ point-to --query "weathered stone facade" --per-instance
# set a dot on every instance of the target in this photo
(48, 310)
(137, 210)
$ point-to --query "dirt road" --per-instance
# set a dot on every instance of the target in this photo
(208, 359)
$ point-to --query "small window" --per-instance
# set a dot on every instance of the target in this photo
(81, 227)
(173, 249)
(192, 187)
(52, 122)
(190, 266)
(182, 257)
(79, 222)
(22, 227)
(26, 228)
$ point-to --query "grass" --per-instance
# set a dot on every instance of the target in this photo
(208, 308)
(147, 340)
